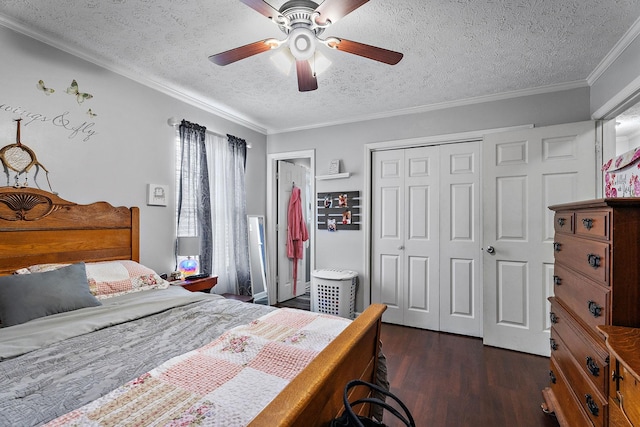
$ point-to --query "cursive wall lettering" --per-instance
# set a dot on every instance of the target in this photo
(77, 129)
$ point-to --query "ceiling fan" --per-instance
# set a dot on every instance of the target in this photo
(303, 21)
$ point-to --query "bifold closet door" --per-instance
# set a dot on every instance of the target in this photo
(405, 235)
(460, 256)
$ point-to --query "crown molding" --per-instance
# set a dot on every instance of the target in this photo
(443, 105)
(628, 38)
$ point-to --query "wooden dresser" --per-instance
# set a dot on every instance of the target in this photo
(624, 386)
(596, 283)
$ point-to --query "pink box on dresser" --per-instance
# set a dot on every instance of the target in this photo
(622, 175)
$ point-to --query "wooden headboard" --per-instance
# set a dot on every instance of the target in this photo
(39, 227)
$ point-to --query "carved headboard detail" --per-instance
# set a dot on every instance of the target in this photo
(39, 227)
(27, 205)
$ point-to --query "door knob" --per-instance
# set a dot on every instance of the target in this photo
(401, 247)
(491, 250)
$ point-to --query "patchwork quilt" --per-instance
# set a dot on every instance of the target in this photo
(224, 383)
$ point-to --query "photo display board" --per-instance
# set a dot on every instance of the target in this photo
(338, 210)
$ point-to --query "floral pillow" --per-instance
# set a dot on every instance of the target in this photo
(111, 278)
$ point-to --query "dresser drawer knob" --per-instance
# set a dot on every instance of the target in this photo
(553, 317)
(561, 222)
(592, 405)
(557, 280)
(593, 367)
(557, 246)
(587, 223)
(594, 260)
(552, 377)
(594, 309)
(553, 344)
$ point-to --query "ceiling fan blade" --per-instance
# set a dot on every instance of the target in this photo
(372, 52)
(242, 52)
(333, 10)
(306, 79)
(262, 7)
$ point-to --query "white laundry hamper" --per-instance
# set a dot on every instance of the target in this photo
(334, 292)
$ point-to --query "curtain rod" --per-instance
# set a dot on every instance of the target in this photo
(173, 122)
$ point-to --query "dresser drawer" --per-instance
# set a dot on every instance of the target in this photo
(569, 342)
(571, 410)
(589, 301)
(594, 224)
(589, 257)
(589, 355)
(563, 222)
(590, 400)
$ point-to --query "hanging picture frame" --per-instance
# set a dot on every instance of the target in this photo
(157, 194)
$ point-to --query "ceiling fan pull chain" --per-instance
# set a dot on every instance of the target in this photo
(314, 64)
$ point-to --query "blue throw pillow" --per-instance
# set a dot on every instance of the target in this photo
(24, 297)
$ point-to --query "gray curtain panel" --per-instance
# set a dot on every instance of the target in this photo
(194, 200)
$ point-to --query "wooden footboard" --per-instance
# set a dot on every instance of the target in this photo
(314, 397)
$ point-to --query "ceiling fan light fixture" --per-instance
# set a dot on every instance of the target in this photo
(273, 43)
(332, 42)
(302, 43)
(320, 63)
(283, 61)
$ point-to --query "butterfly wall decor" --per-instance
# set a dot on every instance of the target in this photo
(71, 90)
(80, 96)
(47, 91)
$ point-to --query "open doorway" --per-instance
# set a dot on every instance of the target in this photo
(277, 228)
(627, 126)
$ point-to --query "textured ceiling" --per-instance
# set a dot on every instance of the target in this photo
(628, 123)
(453, 50)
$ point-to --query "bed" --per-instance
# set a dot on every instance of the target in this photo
(65, 365)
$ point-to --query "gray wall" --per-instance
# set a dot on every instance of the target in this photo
(132, 145)
(345, 249)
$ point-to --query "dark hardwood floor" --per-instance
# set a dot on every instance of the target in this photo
(452, 380)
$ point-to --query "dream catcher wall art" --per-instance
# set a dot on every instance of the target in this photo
(20, 159)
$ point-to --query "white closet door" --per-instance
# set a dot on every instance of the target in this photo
(523, 173)
(460, 260)
(387, 264)
(405, 239)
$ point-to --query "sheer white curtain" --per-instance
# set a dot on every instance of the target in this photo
(230, 254)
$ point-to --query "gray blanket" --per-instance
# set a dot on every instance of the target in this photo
(56, 364)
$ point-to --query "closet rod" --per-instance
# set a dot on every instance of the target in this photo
(173, 122)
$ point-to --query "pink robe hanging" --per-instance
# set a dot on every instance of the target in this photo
(297, 233)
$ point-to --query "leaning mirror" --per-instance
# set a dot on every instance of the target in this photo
(257, 259)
